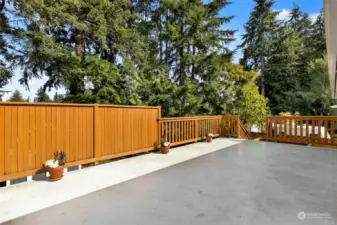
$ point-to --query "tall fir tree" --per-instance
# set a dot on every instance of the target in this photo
(41, 96)
(82, 46)
(16, 97)
(191, 48)
(5, 34)
(258, 40)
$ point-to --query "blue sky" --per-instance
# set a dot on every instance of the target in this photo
(239, 8)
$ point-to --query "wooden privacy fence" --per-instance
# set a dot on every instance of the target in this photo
(315, 130)
(31, 132)
(181, 130)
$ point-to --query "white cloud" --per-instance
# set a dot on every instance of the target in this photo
(314, 16)
(283, 14)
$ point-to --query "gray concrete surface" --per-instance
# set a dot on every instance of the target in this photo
(249, 183)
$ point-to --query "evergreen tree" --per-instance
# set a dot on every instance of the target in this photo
(318, 100)
(16, 97)
(58, 98)
(41, 96)
(190, 47)
(316, 43)
(258, 39)
(283, 70)
(299, 22)
(5, 30)
(73, 41)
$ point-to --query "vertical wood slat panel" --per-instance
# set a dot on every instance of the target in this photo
(25, 138)
(58, 129)
(8, 138)
(32, 131)
(21, 137)
(2, 140)
(14, 155)
(38, 137)
(82, 132)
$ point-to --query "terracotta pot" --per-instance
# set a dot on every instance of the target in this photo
(164, 149)
(209, 139)
(55, 173)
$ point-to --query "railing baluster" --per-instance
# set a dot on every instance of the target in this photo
(275, 129)
(301, 129)
(332, 136)
(291, 129)
(186, 133)
(326, 131)
(286, 133)
(312, 131)
(295, 129)
(319, 131)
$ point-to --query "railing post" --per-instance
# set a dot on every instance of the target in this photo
(159, 128)
(196, 127)
(267, 128)
(238, 126)
(96, 133)
(332, 136)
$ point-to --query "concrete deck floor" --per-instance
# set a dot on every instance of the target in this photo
(22, 199)
(248, 183)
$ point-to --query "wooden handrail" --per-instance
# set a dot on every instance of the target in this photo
(302, 117)
(187, 118)
(314, 130)
(246, 132)
(181, 130)
(76, 105)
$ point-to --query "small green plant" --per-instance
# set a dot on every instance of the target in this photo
(164, 143)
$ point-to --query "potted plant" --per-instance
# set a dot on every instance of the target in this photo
(165, 146)
(55, 166)
(209, 137)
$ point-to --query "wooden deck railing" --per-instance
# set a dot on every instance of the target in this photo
(89, 133)
(315, 130)
(244, 133)
(182, 130)
(231, 126)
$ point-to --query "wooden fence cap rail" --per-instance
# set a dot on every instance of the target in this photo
(303, 117)
(73, 104)
(189, 118)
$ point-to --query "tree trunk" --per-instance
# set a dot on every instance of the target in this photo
(79, 43)
(77, 83)
(263, 92)
(181, 58)
(167, 54)
(2, 6)
(193, 64)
